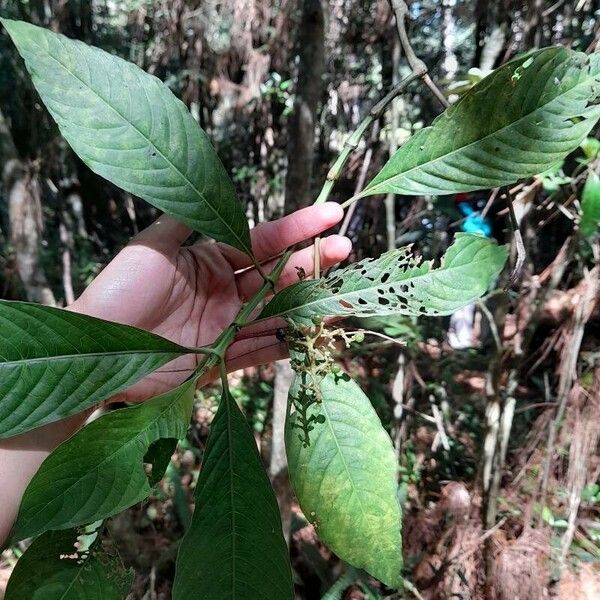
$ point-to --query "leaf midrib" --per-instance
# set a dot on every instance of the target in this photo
(341, 296)
(88, 355)
(227, 399)
(76, 576)
(355, 491)
(143, 135)
(478, 141)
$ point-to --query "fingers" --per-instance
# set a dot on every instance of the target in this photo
(270, 239)
(266, 327)
(165, 234)
(334, 249)
(248, 353)
(256, 351)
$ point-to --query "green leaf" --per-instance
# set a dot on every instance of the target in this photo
(517, 122)
(55, 363)
(234, 549)
(52, 568)
(591, 148)
(128, 127)
(346, 479)
(396, 283)
(100, 470)
(590, 206)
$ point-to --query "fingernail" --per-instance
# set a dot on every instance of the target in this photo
(345, 244)
(338, 245)
(332, 211)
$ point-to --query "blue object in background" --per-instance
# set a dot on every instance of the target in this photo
(474, 222)
(460, 333)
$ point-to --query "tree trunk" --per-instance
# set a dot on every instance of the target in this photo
(22, 190)
(390, 199)
(533, 29)
(25, 218)
(481, 26)
(66, 238)
(309, 87)
(8, 151)
(278, 470)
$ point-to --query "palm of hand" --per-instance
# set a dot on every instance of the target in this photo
(191, 294)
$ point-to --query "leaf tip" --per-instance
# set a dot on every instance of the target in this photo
(17, 30)
(8, 24)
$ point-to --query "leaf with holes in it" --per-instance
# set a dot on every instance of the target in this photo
(100, 471)
(234, 548)
(346, 478)
(590, 206)
(517, 122)
(128, 127)
(53, 568)
(396, 282)
(55, 363)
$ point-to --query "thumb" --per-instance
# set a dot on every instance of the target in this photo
(165, 234)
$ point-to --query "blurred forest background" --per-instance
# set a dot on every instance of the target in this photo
(496, 415)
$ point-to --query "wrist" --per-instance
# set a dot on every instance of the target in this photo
(21, 456)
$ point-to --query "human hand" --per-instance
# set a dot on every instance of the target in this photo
(186, 294)
(190, 294)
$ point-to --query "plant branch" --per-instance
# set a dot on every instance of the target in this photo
(259, 269)
(520, 246)
(417, 66)
(362, 177)
(352, 142)
(379, 335)
(203, 350)
(419, 71)
(349, 146)
(223, 374)
(245, 314)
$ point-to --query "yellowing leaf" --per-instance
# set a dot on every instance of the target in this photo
(346, 479)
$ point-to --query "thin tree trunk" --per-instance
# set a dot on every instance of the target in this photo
(8, 151)
(481, 26)
(278, 468)
(309, 87)
(585, 437)
(22, 189)
(568, 368)
(66, 238)
(390, 199)
(533, 29)
(26, 225)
